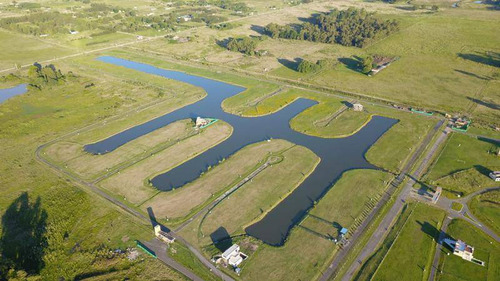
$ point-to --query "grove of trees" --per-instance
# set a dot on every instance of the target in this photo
(351, 27)
(244, 45)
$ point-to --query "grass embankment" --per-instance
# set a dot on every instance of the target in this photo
(464, 165)
(486, 207)
(130, 183)
(308, 248)
(411, 255)
(260, 194)
(79, 228)
(182, 202)
(452, 267)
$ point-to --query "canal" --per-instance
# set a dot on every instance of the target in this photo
(337, 154)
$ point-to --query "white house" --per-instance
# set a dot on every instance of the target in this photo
(461, 249)
(233, 256)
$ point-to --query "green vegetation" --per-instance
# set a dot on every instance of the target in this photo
(80, 228)
(351, 27)
(184, 256)
(266, 190)
(244, 45)
(456, 206)
(410, 256)
(464, 164)
(452, 267)
(486, 208)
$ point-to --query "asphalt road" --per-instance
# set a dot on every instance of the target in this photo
(439, 246)
(343, 253)
(383, 228)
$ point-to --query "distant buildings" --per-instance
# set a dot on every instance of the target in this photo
(495, 175)
(461, 249)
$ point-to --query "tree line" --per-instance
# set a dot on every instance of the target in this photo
(351, 27)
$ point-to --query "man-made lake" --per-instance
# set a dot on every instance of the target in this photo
(337, 155)
(8, 93)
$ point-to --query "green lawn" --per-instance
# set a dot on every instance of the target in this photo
(464, 164)
(411, 255)
(485, 249)
(486, 208)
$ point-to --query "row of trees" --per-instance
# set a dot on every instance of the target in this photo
(351, 27)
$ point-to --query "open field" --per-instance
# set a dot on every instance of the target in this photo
(418, 236)
(131, 182)
(455, 76)
(79, 227)
(486, 208)
(181, 202)
(485, 249)
(261, 194)
(464, 164)
(22, 49)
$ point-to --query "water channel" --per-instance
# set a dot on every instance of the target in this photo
(337, 155)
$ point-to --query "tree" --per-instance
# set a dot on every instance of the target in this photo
(366, 64)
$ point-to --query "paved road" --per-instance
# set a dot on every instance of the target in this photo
(439, 246)
(160, 250)
(342, 254)
(381, 231)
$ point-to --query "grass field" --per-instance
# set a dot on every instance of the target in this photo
(21, 49)
(79, 227)
(485, 249)
(486, 208)
(418, 236)
(261, 194)
(464, 164)
(183, 201)
(130, 183)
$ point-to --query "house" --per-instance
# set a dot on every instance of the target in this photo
(343, 231)
(357, 107)
(73, 32)
(200, 122)
(233, 256)
(495, 175)
(461, 249)
(163, 236)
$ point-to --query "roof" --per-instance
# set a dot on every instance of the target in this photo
(344, 230)
(230, 252)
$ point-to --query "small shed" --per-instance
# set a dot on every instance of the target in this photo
(357, 107)
(343, 231)
(163, 236)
